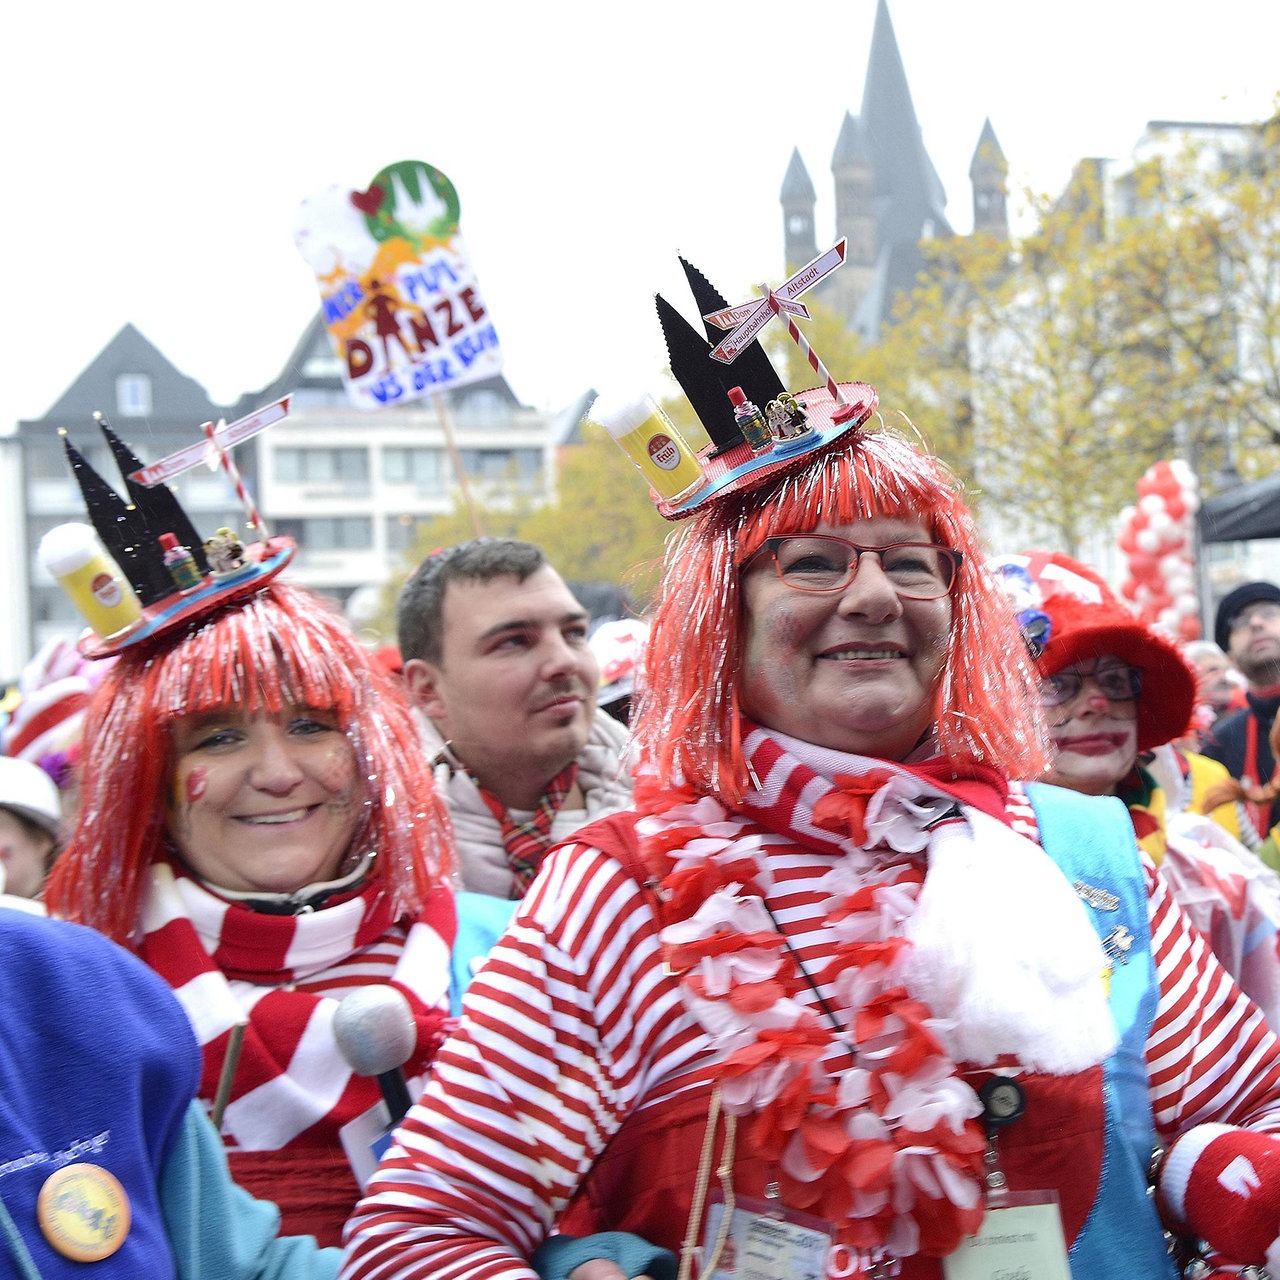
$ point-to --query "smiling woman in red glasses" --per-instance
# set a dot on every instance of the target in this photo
(839, 984)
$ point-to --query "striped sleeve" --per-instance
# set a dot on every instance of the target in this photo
(1211, 1055)
(570, 1025)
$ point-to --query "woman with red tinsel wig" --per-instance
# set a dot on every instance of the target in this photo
(258, 824)
(839, 996)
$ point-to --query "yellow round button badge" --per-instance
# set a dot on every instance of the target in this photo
(84, 1212)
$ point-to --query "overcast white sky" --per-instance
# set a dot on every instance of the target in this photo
(156, 153)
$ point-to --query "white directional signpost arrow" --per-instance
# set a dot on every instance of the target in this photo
(214, 451)
(747, 320)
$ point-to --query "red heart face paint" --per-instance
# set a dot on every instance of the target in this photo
(197, 782)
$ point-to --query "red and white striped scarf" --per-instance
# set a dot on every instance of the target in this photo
(283, 976)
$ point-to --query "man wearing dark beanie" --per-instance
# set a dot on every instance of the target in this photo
(1247, 629)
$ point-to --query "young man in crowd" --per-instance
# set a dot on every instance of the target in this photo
(497, 663)
(1247, 629)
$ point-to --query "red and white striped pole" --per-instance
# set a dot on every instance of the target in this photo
(809, 353)
(228, 465)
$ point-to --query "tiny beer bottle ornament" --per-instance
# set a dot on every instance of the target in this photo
(751, 422)
(181, 563)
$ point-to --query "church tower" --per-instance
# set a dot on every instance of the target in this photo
(855, 213)
(989, 174)
(888, 196)
(798, 200)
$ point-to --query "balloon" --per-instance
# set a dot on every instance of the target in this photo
(1148, 541)
(1152, 504)
(1189, 627)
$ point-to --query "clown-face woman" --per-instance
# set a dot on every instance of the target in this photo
(1118, 696)
(258, 823)
(836, 981)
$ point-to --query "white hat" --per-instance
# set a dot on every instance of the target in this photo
(619, 649)
(28, 791)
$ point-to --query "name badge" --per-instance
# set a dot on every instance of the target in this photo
(1020, 1239)
(763, 1241)
(366, 1139)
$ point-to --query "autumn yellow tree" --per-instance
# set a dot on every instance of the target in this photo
(1198, 261)
(1137, 322)
(602, 525)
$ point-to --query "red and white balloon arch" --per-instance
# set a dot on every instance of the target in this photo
(1157, 535)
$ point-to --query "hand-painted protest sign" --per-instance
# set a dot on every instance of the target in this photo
(399, 295)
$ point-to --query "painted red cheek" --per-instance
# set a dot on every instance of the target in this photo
(784, 630)
(337, 771)
(197, 783)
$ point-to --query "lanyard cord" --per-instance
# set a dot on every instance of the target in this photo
(724, 1172)
(845, 1033)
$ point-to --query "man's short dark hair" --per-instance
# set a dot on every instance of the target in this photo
(420, 608)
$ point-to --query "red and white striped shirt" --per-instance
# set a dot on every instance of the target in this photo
(573, 1025)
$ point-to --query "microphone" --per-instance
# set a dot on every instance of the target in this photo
(376, 1034)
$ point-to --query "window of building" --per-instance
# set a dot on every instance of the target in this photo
(502, 464)
(322, 466)
(426, 469)
(133, 395)
(322, 364)
(401, 532)
(53, 606)
(47, 464)
(330, 533)
(481, 407)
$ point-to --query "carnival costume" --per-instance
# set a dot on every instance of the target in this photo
(281, 977)
(260, 974)
(1240, 740)
(587, 950)
(100, 1069)
(1069, 615)
(817, 984)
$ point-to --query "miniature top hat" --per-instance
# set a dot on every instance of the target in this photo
(758, 429)
(147, 572)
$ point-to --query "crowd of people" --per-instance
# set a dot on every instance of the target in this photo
(873, 901)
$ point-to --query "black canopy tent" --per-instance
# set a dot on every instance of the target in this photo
(1248, 511)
